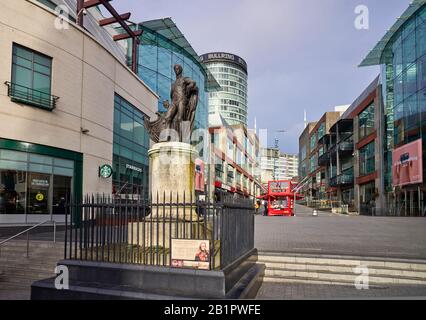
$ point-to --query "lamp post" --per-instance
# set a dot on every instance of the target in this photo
(277, 153)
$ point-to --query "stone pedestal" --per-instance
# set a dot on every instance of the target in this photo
(172, 179)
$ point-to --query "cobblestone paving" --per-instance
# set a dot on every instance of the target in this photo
(14, 294)
(393, 237)
(292, 291)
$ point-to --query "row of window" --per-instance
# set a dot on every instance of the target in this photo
(231, 176)
(230, 102)
(226, 68)
(216, 97)
(226, 76)
(234, 110)
(232, 149)
(232, 84)
(235, 91)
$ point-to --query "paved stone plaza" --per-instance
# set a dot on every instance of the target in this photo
(295, 291)
(390, 237)
(334, 234)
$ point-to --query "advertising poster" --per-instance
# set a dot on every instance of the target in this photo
(407, 164)
(192, 254)
(199, 175)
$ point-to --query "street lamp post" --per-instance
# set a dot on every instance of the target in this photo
(277, 154)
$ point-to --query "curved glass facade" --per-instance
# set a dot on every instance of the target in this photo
(404, 87)
(231, 101)
(157, 56)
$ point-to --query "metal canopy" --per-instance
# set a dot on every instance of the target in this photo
(116, 18)
(168, 29)
(375, 57)
(344, 124)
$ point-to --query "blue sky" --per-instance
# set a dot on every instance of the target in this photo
(300, 54)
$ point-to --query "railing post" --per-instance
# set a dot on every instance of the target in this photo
(54, 231)
(28, 243)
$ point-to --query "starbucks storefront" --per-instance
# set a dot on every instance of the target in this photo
(36, 181)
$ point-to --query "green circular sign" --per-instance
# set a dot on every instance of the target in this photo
(39, 197)
(105, 171)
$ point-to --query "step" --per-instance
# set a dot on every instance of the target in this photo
(344, 269)
(401, 264)
(42, 254)
(12, 293)
(25, 270)
(291, 280)
(24, 281)
(349, 277)
(19, 252)
(37, 243)
(36, 264)
(7, 247)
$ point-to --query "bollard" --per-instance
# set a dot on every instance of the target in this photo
(315, 213)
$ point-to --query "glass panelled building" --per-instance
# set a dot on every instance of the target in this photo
(402, 56)
(130, 151)
(231, 73)
(162, 46)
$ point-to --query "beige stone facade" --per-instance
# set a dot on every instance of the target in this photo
(85, 76)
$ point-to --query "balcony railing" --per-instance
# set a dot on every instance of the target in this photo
(324, 159)
(345, 179)
(333, 181)
(341, 180)
(32, 97)
(346, 146)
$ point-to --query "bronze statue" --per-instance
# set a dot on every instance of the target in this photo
(177, 123)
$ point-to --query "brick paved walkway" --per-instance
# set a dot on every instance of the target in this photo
(392, 237)
(291, 291)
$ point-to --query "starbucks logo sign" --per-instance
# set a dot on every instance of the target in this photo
(105, 171)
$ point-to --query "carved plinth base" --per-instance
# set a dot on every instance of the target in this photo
(172, 179)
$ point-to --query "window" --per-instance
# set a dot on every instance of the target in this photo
(219, 168)
(366, 121)
(366, 159)
(230, 175)
(130, 151)
(31, 78)
(313, 164)
(367, 196)
(230, 149)
(303, 153)
(313, 141)
(238, 179)
(321, 131)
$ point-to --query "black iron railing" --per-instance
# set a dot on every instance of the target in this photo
(324, 159)
(136, 230)
(31, 96)
(343, 179)
(346, 146)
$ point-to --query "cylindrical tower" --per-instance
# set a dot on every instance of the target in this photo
(231, 72)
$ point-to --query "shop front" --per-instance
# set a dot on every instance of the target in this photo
(36, 181)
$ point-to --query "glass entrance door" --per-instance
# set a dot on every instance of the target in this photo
(61, 193)
(35, 186)
(39, 190)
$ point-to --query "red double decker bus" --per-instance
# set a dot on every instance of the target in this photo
(280, 198)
